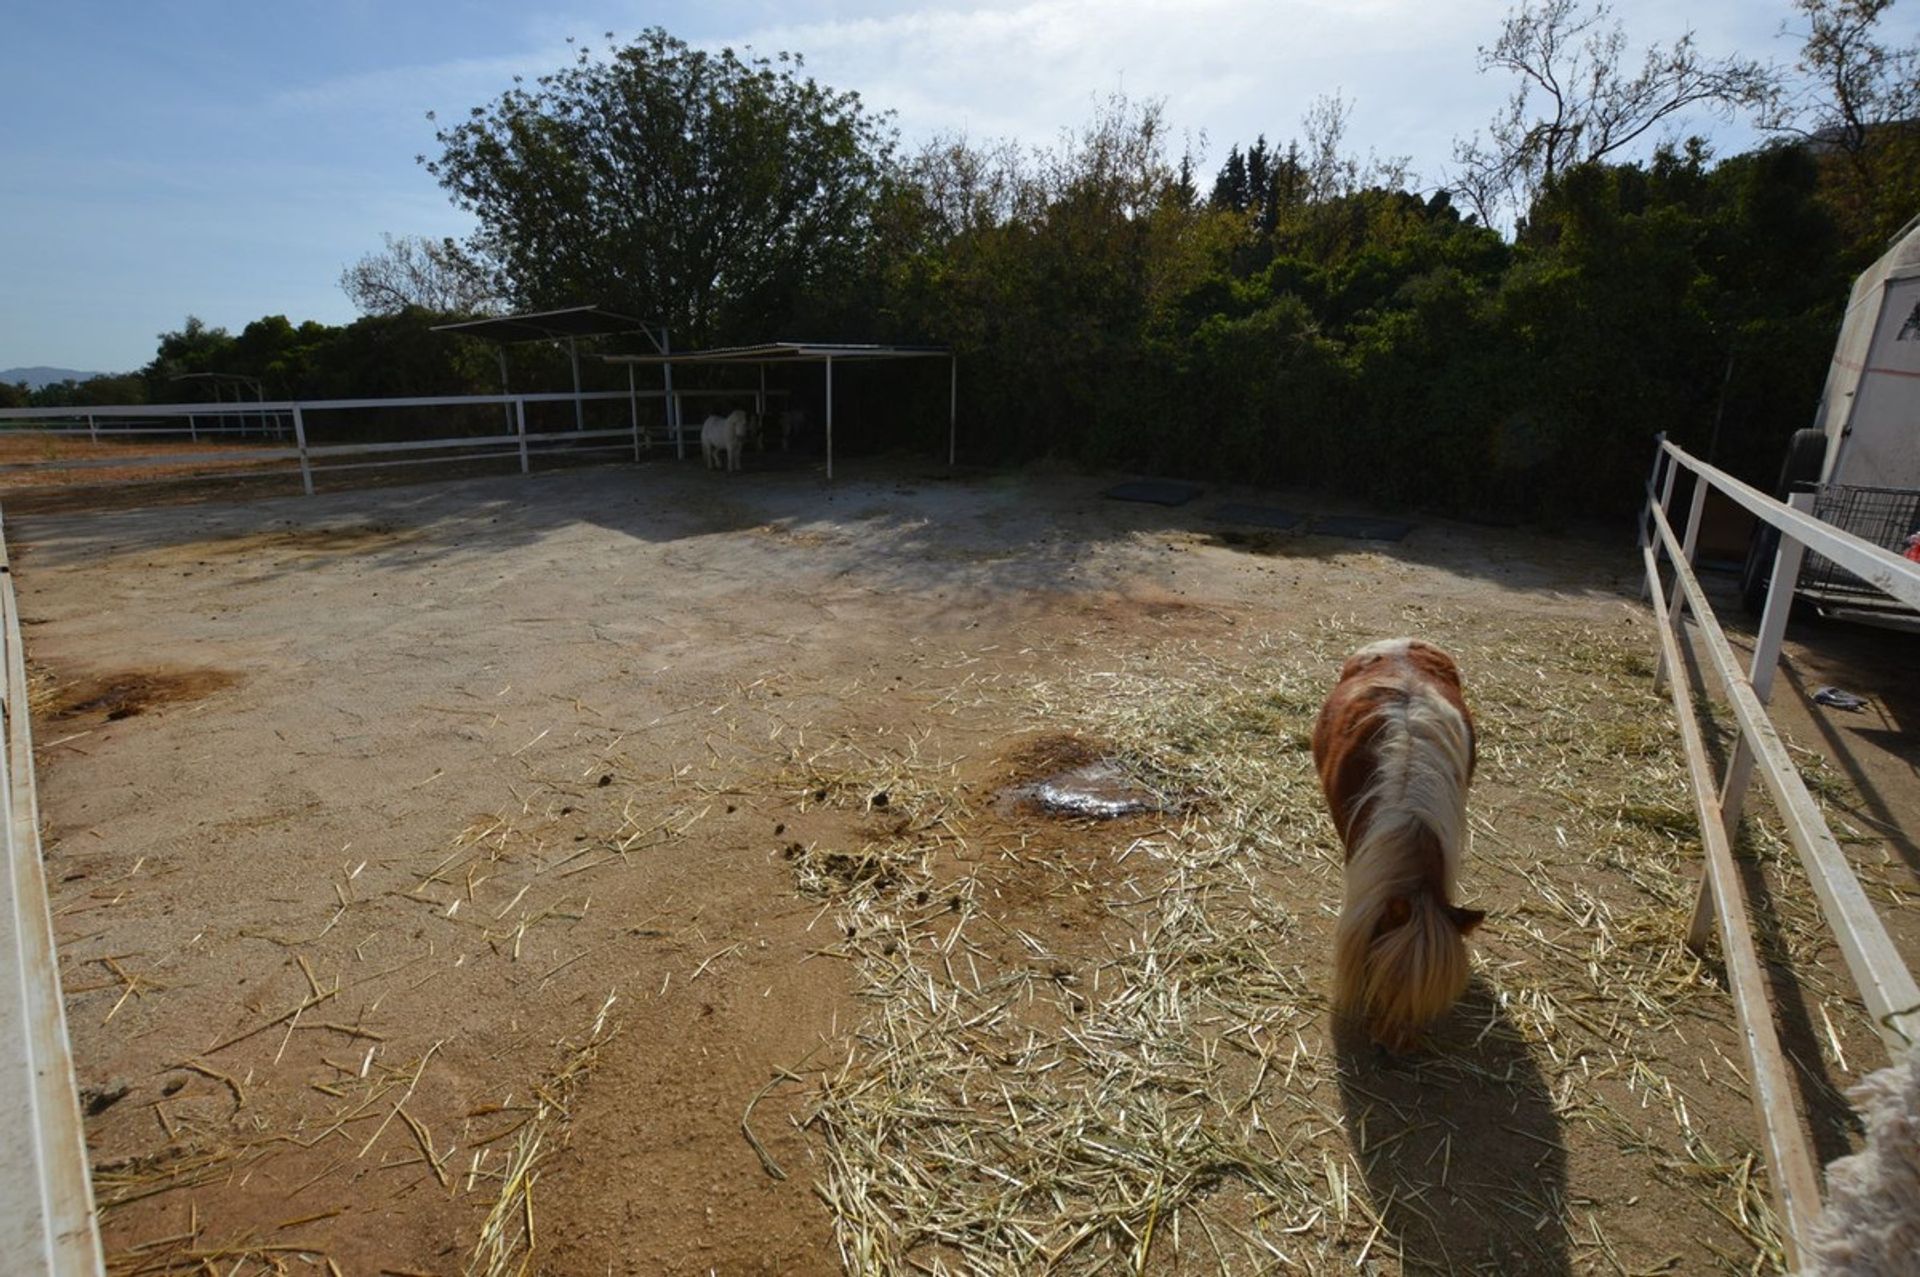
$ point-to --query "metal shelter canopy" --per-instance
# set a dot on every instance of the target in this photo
(797, 352)
(568, 324)
(219, 379)
(549, 325)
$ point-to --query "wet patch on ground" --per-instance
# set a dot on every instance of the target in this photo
(1268, 543)
(1073, 778)
(127, 693)
(345, 539)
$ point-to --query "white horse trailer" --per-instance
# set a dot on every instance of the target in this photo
(1861, 457)
(1870, 409)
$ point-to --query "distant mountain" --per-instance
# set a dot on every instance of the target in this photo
(41, 375)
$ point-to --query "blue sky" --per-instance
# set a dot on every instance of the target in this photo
(228, 160)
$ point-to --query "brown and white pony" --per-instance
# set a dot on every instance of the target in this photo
(1394, 748)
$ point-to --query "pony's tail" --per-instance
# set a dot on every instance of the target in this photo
(1400, 961)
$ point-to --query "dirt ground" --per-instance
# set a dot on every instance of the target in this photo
(36, 475)
(626, 866)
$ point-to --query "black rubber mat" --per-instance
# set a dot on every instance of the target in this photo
(1156, 491)
(1360, 527)
(1263, 516)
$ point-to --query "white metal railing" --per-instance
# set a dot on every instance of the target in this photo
(47, 1222)
(103, 423)
(1886, 986)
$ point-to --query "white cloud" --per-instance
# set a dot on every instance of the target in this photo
(1227, 67)
(1231, 68)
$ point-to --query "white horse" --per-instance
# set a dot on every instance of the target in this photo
(726, 434)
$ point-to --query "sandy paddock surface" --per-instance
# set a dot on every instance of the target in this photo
(628, 866)
(34, 453)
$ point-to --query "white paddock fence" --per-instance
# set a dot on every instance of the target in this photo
(202, 421)
(1886, 986)
(46, 1197)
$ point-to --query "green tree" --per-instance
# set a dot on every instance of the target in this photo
(1576, 101)
(1230, 190)
(192, 348)
(1857, 105)
(436, 275)
(706, 189)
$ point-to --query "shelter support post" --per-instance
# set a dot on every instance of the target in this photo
(505, 389)
(633, 411)
(829, 416)
(579, 405)
(673, 417)
(953, 409)
(300, 442)
(93, 430)
(520, 427)
(1766, 659)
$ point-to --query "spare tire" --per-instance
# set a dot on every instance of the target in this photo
(1806, 458)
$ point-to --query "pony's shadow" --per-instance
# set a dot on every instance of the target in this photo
(1462, 1153)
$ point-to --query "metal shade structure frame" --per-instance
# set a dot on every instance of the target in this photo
(772, 353)
(569, 324)
(241, 383)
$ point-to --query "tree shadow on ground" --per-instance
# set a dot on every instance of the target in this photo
(885, 522)
(1464, 1158)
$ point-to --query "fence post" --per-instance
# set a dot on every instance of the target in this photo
(300, 441)
(953, 409)
(520, 425)
(1647, 536)
(1646, 515)
(1677, 601)
(1766, 659)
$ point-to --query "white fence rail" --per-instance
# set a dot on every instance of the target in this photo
(1886, 986)
(103, 424)
(46, 1197)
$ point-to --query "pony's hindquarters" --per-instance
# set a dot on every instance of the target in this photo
(1399, 964)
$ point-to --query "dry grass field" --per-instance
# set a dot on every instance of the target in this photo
(639, 870)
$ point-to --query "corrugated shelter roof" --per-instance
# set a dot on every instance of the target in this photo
(777, 352)
(549, 325)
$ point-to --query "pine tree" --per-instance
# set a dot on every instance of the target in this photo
(1260, 183)
(1230, 188)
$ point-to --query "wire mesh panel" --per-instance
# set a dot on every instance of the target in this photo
(1884, 516)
